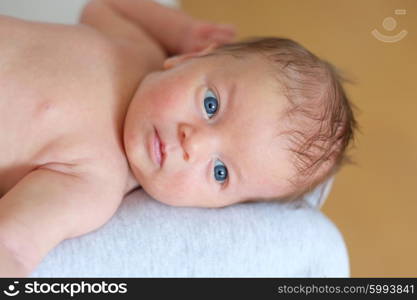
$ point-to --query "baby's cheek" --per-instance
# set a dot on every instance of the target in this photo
(178, 189)
(173, 92)
(170, 99)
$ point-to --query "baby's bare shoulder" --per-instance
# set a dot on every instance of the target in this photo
(60, 45)
(64, 85)
(79, 46)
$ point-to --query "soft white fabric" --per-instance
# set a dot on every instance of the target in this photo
(58, 11)
(317, 197)
(149, 239)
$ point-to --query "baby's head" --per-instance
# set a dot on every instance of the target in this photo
(262, 119)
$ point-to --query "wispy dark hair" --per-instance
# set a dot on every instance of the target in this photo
(320, 113)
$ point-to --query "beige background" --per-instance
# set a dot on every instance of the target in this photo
(374, 204)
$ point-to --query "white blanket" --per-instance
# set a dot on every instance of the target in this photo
(149, 239)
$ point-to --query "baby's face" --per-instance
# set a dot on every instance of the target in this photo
(218, 118)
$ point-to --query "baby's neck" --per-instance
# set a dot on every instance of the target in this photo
(123, 107)
(131, 183)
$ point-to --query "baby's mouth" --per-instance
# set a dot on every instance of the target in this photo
(159, 149)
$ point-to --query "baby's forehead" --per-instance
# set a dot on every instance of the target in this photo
(265, 168)
(253, 80)
(258, 146)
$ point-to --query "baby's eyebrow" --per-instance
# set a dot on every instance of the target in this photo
(227, 101)
(230, 100)
(237, 175)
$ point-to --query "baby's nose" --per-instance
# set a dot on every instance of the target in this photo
(197, 143)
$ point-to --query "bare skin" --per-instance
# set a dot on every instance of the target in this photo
(64, 95)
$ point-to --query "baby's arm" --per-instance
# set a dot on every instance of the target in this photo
(174, 30)
(46, 207)
(10, 264)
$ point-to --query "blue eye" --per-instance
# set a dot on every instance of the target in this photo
(211, 106)
(220, 171)
(211, 103)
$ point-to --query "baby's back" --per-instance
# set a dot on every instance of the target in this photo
(64, 91)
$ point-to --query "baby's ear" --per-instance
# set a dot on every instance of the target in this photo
(178, 59)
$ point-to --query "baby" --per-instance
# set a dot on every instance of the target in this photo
(90, 112)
